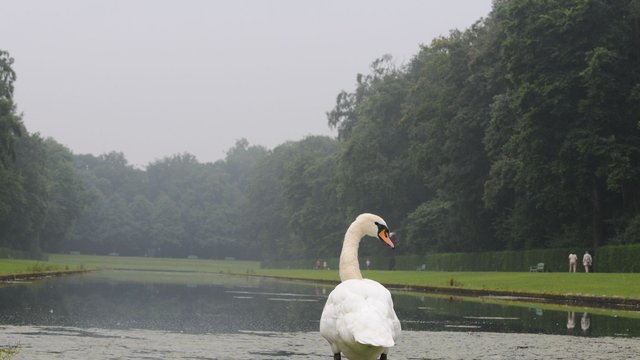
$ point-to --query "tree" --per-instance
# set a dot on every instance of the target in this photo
(373, 171)
(268, 228)
(141, 211)
(310, 198)
(447, 112)
(11, 125)
(167, 228)
(27, 205)
(573, 69)
(66, 196)
(109, 186)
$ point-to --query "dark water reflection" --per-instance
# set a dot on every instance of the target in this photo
(447, 313)
(224, 304)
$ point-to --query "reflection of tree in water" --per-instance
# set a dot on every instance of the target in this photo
(198, 309)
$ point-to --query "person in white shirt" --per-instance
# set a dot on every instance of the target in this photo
(573, 259)
(587, 260)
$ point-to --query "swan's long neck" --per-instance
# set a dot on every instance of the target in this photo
(349, 266)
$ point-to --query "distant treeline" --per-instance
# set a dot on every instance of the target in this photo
(522, 132)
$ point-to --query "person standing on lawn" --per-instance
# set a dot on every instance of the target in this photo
(587, 260)
(573, 260)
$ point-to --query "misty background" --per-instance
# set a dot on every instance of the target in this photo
(155, 78)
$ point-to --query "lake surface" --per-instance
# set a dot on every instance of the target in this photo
(243, 311)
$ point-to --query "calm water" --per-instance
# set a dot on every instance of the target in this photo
(220, 304)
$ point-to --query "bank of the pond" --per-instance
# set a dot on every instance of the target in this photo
(156, 264)
(593, 290)
(38, 275)
(24, 270)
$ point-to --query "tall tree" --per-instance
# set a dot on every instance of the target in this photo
(265, 207)
(66, 196)
(27, 206)
(372, 168)
(10, 123)
(573, 69)
(447, 112)
(310, 198)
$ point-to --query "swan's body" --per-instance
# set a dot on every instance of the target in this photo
(358, 319)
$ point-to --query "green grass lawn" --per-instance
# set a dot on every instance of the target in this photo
(157, 264)
(61, 262)
(11, 266)
(623, 285)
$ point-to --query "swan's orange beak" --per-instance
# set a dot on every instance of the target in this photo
(383, 234)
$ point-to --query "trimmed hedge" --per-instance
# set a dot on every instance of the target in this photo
(618, 258)
(614, 258)
(554, 260)
(6, 253)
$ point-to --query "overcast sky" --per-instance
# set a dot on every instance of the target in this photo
(153, 78)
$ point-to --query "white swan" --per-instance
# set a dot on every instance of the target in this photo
(358, 319)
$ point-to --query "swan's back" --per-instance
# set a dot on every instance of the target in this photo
(358, 319)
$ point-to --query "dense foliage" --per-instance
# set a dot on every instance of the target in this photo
(521, 132)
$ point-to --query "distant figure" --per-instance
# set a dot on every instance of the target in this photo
(587, 260)
(317, 265)
(368, 263)
(573, 260)
(324, 265)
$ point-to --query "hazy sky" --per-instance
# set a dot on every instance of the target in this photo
(153, 78)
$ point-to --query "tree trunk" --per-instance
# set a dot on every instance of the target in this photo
(597, 223)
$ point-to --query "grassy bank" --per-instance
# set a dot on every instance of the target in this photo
(613, 285)
(67, 262)
(17, 267)
(157, 264)
(619, 285)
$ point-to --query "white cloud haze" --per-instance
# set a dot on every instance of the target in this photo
(154, 78)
